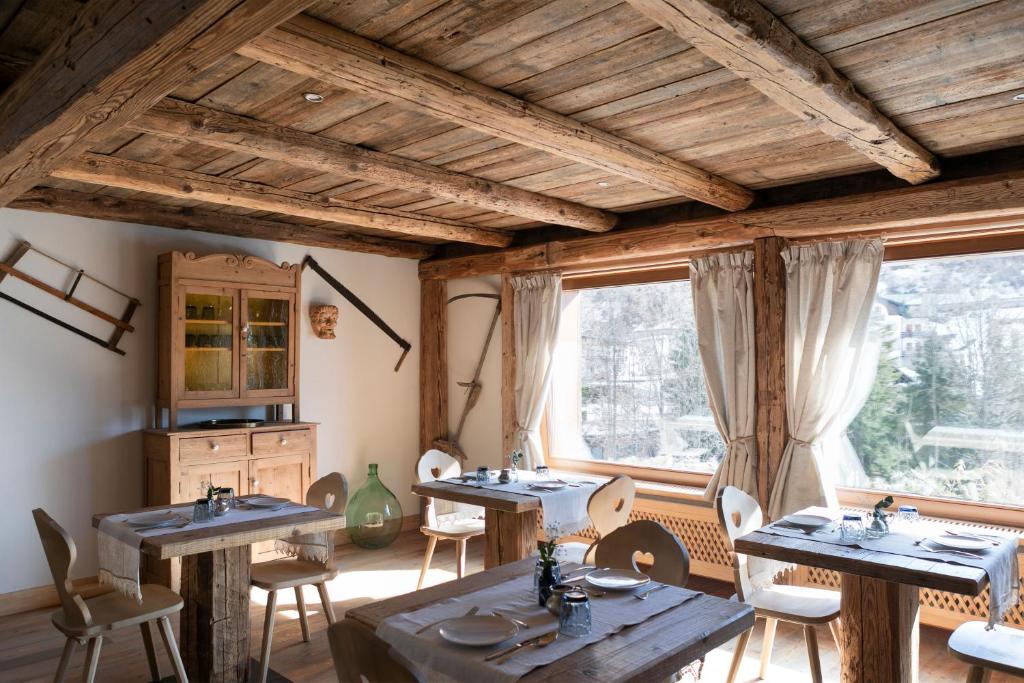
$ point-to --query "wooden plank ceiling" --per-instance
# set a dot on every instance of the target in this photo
(623, 114)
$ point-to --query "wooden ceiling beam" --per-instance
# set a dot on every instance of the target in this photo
(179, 120)
(134, 175)
(103, 207)
(318, 50)
(951, 207)
(115, 60)
(750, 41)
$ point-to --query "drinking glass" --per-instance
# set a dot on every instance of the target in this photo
(574, 616)
(542, 473)
(202, 511)
(851, 529)
(907, 517)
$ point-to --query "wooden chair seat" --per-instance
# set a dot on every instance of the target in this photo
(446, 520)
(327, 493)
(112, 611)
(796, 604)
(463, 528)
(1001, 649)
(90, 621)
(279, 574)
(738, 515)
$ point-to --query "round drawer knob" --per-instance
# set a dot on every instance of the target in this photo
(284, 441)
(214, 446)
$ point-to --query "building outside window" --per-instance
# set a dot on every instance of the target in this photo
(628, 385)
(945, 416)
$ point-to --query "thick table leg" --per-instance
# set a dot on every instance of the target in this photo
(215, 619)
(510, 536)
(880, 631)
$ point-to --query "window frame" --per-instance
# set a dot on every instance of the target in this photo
(999, 514)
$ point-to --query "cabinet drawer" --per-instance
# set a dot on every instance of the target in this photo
(207, 447)
(274, 443)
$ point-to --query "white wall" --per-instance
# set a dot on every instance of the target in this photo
(71, 412)
(468, 321)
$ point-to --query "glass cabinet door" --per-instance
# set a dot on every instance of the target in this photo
(269, 356)
(209, 345)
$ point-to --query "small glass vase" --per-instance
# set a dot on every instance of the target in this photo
(373, 515)
(877, 527)
(549, 575)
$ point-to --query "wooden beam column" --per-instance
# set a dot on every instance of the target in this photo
(508, 367)
(433, 362)
(770, 350)
(115, 60)
(215, 588)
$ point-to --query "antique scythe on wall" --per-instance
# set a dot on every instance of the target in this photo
(473, 387)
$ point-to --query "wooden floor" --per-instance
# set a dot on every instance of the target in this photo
(30, 646)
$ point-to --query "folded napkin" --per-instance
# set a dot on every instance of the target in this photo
(565, 510)
(310, 547)
(119, 557)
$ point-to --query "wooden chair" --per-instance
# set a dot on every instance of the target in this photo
(446, 520)
(328, 493)
(87, 621)
(609, 507)
(619, 550)
(738, 515)
(1001, 649)
(360, 657)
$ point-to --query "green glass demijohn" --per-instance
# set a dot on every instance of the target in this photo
(373, 515)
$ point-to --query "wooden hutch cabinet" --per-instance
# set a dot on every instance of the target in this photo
(227, 336)
(227, 333)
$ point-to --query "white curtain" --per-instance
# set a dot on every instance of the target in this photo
(830, 364)
(723, 305)
(536, 311)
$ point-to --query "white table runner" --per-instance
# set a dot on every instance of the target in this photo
(119, 544)
(437, 660)
(1000, 563)
(565, 510)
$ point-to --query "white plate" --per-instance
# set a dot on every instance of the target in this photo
(955, 543)
(617, 579)
(548, 485)
(266, 502)
(478, 630)
(154, 519)
(807, 521)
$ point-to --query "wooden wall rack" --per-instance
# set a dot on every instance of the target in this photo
(121, 325)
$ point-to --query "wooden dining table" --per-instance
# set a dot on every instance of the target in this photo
(879, 609)
(215, 565)
(649, 651)
(510, 519)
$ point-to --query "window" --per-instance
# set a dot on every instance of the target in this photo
(945, 416)
(628, 384)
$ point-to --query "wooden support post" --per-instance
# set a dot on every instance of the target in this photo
(880, 630)
(508, 368)
(510, 537)
(770, 349)
(215, 588)
(433, 362)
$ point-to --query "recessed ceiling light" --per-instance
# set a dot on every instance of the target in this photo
(1019, 97)
(314, 97)
(603, 183)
